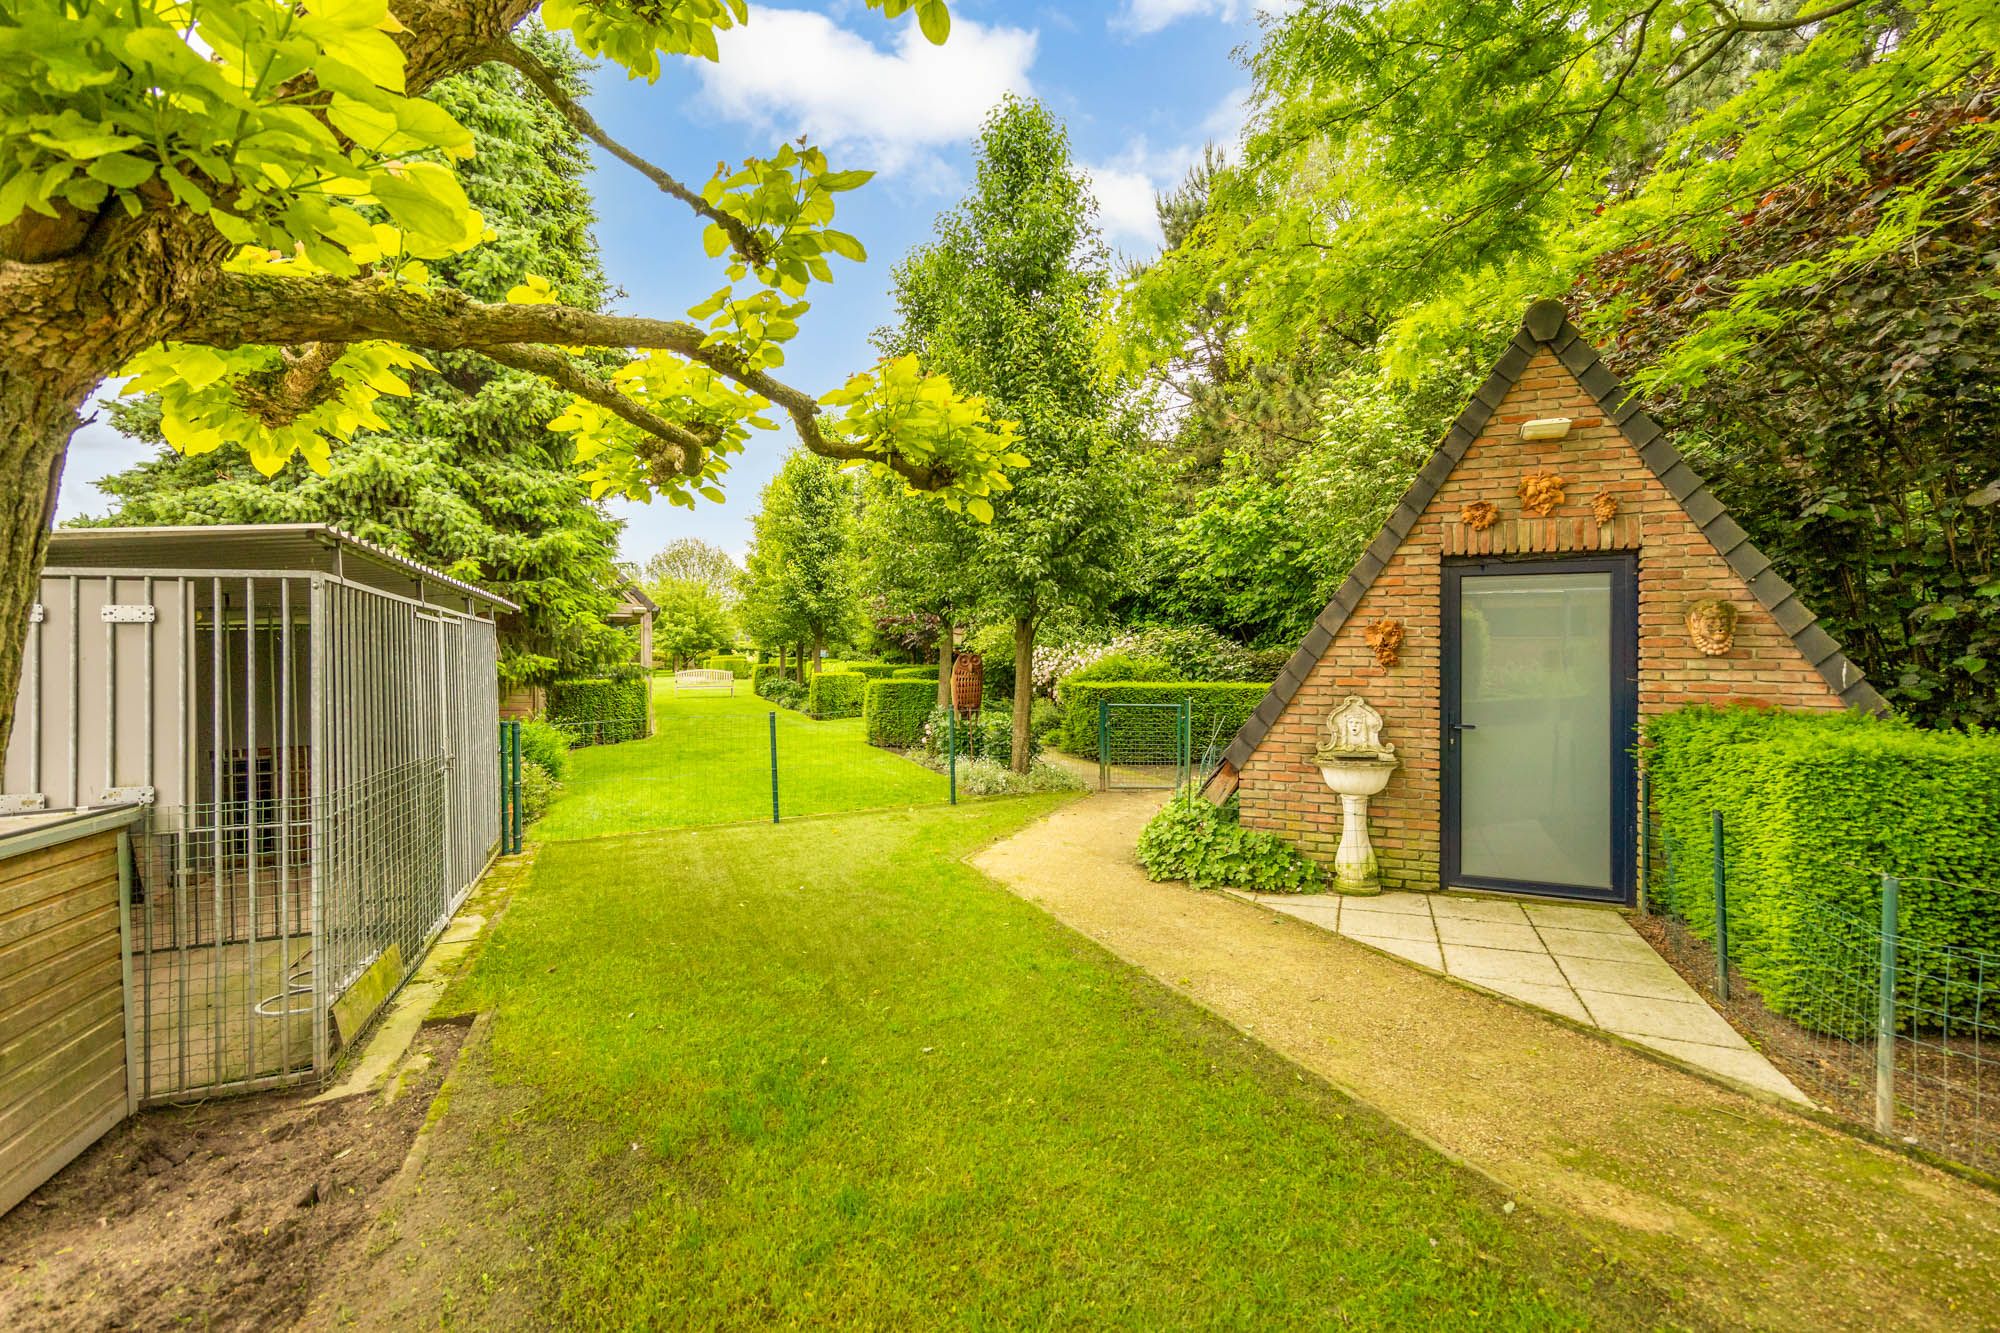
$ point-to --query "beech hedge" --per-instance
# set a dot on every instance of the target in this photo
(1817, 807)
(893, 711)
(599, 710)
(835, 694)
(735, 664)
(764, 671)
(1217, 708)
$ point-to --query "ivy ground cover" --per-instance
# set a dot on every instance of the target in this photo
(708, 761)
(826, 1073)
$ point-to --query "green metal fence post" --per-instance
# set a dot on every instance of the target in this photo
(1645, 844)
(1885, 1015)
(1721, 915)
(500, 741)
(1103, 744)
(514, 744)
(951, 749)
(774, 765)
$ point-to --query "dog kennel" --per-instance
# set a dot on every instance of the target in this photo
(309, 720)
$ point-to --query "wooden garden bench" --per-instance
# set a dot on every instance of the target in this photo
(702, 679)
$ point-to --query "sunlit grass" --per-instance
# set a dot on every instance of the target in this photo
(709, 762)
(826, 1073)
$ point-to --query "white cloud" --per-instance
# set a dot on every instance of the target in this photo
(1126, 184)
(1144, 16)
(797, 72)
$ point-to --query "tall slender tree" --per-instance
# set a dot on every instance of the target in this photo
(799, 573)
(1004, 302)
(919, 559)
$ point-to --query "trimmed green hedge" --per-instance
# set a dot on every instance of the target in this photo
(893, 711)
(835, 694)
(764, 671)
(599, 711)
(1217, 709)
(929, 673)
(735, 664)
(1816, 808)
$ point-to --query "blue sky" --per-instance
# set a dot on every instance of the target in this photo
(1141, 84)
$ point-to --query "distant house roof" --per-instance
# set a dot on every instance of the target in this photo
(258, 548)
(1547, 325)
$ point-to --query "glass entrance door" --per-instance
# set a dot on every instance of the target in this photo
(1538, 716)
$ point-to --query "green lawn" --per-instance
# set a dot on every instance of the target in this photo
(709, 762)
(827, 1073)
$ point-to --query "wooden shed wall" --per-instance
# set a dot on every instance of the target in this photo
(62, 1006)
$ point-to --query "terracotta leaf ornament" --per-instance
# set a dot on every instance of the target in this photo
(1605, 507)
(1542, 493)
(1479, 515)
(1386, 638)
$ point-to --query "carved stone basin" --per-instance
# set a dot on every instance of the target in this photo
(1356, 765)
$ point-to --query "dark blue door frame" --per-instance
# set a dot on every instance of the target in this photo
(1624, 669)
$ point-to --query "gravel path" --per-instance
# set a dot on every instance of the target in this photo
(1769, 1219)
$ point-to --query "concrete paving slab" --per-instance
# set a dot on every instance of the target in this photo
(1604, 919)
(1446, 908)
(1409, 904)
(1489, 934)
(1634, 1016)
(1386, 925)
(1488, 965)
(1745, 1066)
(1647, 980)
(1622, 947)
(1556, 999)
(1422, 952)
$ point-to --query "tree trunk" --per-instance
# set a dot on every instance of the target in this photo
(784, 663)
(819, 652)
(1024, 690)
(35, 426)
(947, 660)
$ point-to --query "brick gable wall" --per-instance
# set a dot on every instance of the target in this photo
(1280, 787)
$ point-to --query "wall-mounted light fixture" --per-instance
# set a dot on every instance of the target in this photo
(1545, 428)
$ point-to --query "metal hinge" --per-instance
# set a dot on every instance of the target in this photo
(20, 805)
(37, 614)
(126, 613)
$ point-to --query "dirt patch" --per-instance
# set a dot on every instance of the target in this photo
(222, 1215)
(1759, 1217)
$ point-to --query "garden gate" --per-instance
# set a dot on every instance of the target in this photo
(1144, 746)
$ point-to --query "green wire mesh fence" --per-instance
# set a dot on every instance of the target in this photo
(1864, 1010)
(726, 761)
(1142, 746)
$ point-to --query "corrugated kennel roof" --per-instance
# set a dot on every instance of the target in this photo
(253, 548)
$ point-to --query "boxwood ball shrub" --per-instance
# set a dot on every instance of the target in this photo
(735, 664)
(1817, 807)
(600, 710)
(893, 712)
(1192, 839)
(835, 694)
(1217, 709)
(547, 745)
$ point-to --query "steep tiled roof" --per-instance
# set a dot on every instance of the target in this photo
(1547, 325)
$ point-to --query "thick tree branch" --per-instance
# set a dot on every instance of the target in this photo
(257, 309)
(684, 448)
(745, 241)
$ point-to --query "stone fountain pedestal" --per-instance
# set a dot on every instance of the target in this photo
(1356, 765)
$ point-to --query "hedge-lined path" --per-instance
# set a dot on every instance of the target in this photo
(1763, 1217)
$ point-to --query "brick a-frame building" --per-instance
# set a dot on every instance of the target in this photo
(1559, 632)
